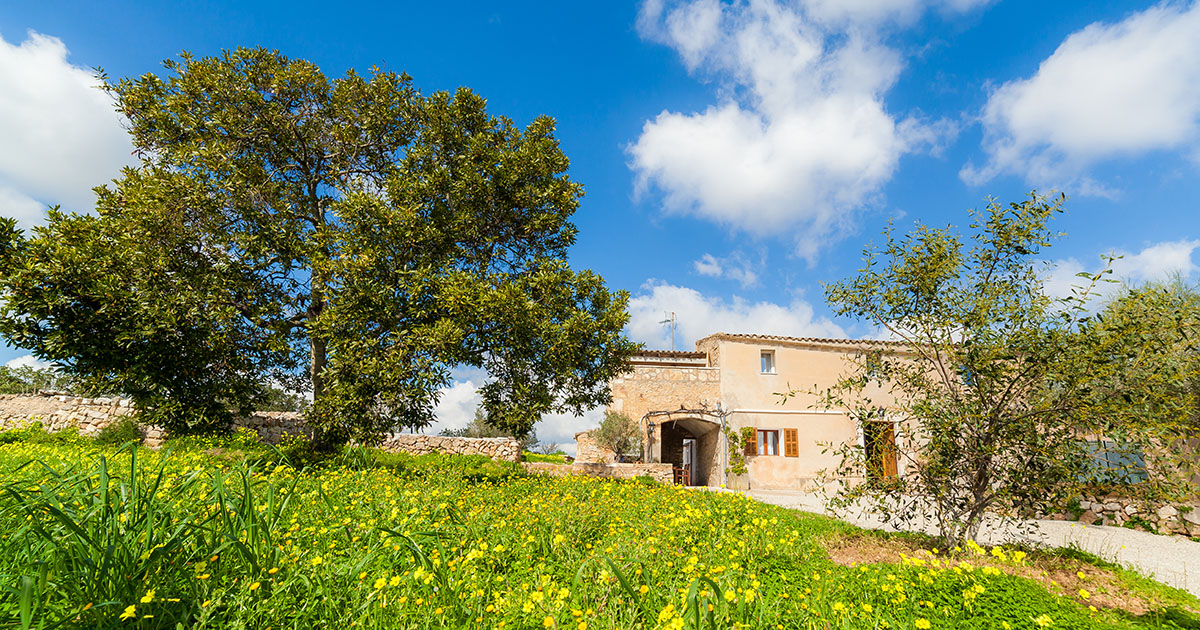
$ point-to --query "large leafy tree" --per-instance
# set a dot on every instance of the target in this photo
(347, 232)
(996, 386)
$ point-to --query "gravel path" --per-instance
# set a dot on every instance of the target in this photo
(1172, 560)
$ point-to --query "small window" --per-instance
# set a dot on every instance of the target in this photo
(768, 442)
(767, 358)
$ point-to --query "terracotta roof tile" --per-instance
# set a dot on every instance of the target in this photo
(814, 340)
(671, 354)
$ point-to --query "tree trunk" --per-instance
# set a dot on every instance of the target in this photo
(316, 345)
(316, 366)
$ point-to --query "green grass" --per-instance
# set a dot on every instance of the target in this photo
(549, 458)
(223, 535)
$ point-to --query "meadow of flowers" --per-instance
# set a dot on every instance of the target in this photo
(94, 536)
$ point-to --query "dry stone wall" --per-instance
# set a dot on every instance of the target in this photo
(501, 448)
(57, 412)
(272, 426)
(659, 472)
(1121, 511)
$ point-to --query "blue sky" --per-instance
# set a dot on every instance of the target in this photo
(735, 155)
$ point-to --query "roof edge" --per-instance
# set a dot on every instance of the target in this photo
(819, 341)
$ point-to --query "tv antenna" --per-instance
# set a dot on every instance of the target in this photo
(671, 323)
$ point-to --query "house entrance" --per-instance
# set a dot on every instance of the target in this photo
(879, 444)
(690, 445)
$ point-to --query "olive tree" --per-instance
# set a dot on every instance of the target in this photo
(995, 384)
(619, 433)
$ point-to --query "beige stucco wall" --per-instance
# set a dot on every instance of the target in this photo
(780, 471)
(752, 399)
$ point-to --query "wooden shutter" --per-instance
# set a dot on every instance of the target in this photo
(750, 443)
(791, 443)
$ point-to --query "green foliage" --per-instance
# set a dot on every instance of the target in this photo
(620, 434)
(119, 302)
(1150, 336)
(993, 382)
(125, 429)
(276, 399)
(29, 380)
(737, 455)
(348, 236)
(183, 538)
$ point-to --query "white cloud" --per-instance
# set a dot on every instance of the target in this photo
(560, 428)
(1157, 262)
(699, 316)
(61, 136)
(456, 406)
(736, 267)
(28, 360)
(708, 265)
(800, 137)
(1109, 90)
(876, 11)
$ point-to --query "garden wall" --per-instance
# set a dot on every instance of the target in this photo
(659, 472)
(588, 451)
(1119, 511)
(500, 448)
(57, 412)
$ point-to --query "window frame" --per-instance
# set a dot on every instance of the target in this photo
(765, 354)
(762, 444)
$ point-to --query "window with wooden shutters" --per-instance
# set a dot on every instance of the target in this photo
(791, 443)
(750, 444)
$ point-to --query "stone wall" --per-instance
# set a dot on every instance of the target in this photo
(272, 425)
(658, 388)
(659, 472)
(1120, 511)
(500, 448)
(57, 412)
(588, 451)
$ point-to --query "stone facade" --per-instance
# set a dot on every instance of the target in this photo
(654, 387)
(659, 472)
(500, 448)
(685, 403)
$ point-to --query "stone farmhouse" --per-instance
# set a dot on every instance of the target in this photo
(687, 403)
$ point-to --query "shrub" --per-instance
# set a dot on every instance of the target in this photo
(120, 432)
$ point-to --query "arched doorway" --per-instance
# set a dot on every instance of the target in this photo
(690, 444)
